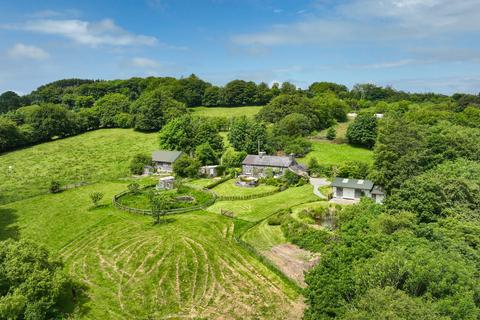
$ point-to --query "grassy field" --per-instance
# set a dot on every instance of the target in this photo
(329, 153)
(94, 156)
(228, 112)
(187, 267)
(263, 237)
(257, 209)
(228, 188)
(341, 132)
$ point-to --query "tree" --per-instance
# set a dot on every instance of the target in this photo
(318, 88)
(363, 131)
(205, 154)
(248, 135)
(239, 93)
(294, 124)
(212, 96)
(153, 109)
(331, 133)
(96, 197)
(55, 186)
(232, 158)
(186, 167)
(134, 188)
(33, 283)
(298, 146)
(160, 203)
(354, 169)
(288, 88)
(10, 135)
(109, 106)
(9, 101)
(138, 163)
(190, 90)
(50, 120)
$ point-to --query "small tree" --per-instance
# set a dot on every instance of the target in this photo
(331, 133)
(160, 203)
(138, 162)
(55, 186)
(96, 197)
(186, 167)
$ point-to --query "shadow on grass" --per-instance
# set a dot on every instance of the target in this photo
(164, 221)
(8, 228)
(99, 207)
(73, 300)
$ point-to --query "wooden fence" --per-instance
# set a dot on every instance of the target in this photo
(248, 197)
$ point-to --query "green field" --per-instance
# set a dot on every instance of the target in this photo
(228, 188)
(260, 208)
(94, 156)
(264, 237)
(187, 267)
(228, 112)
(330, 153)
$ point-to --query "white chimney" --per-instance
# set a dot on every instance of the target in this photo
(262, 153)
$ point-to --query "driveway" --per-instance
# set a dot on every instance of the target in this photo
(317, 183)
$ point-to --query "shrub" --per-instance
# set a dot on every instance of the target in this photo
(96, 197)
(139, 162)
(134, 188)
(186, 167)
(331, 133)
(55, 186)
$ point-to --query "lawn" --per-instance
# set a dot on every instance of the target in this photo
(264, 237)
(228, 188)
(94, 156)
(187, 267)
(334, 154)
(228, 112)
(260, 208)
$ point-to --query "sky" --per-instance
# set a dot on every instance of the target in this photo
(412, 45)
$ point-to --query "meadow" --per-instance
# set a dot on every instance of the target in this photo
(228, 188)
(334, 154)
(187, 267)
(227, 112)
(260, 208)
(100, 155)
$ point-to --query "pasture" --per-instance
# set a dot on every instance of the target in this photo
(100, 155)
(187, 267)
(334, 154)
(260, 208)
(226, 112)
(228, 188)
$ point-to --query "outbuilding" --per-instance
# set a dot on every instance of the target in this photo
(163, 160)
(354, 189)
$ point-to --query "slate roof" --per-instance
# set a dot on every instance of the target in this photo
(352, 183)
(378, 190)
(268, 161)
(166, 156)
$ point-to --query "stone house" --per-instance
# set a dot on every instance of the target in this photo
(163, 160)
(258, 165)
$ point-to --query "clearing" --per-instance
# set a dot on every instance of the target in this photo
(227, 112)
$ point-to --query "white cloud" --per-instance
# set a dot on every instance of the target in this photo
(144, 63)
(388, 64)
(373, 20)
(104, 32)
(21, 50)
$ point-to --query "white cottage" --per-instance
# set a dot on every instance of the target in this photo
(354, 189)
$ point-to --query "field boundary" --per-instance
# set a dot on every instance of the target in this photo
(249, 197)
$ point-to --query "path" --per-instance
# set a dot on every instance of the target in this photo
(317, 183)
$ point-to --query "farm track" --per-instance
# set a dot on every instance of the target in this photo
(134, 270)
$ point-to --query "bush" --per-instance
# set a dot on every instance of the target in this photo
(331, 133)
(96, 197)
(186, 167)
(134, 188)
(139, 162)
(55, 186)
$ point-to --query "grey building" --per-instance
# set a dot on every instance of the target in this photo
(257, 165)
(163, 160)
(354, 189)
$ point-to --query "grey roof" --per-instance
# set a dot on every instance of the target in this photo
(352, 183)
(377, 190)
(268, 161)
(166, 156)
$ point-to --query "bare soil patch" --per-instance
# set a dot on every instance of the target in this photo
(293, 261)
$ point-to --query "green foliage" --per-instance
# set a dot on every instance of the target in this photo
(363, 131)
(138, 163)
(9, 101)
(109, 106)
(32, 282)
(303, 235)
(134, 188)
(298, 146)
(160, 203)
(186, 133)
(294, 124)
(232, 158)
(55, 186)
(205, 154)
(353, 169)
(96, 197)
(331, 133)
(248, 135)
(186, 167)
(291, 178)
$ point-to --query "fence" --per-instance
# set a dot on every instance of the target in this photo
(120, 206)
(248, 197)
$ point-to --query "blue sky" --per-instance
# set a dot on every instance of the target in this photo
(413, 45)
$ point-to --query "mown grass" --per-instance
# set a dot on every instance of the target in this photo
(187, 267)
(260, 208)
(228, 188)
(94, 156)
(334, 154)
(227, 112)
(264, 237)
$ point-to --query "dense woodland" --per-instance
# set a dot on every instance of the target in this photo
(415, 257)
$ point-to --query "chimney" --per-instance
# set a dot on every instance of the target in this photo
(262, 153)
(292, 156)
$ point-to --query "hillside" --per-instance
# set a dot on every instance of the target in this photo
(93, 156)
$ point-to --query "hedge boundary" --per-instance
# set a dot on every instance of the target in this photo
(249, 197)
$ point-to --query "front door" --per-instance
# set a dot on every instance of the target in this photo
(339, 192)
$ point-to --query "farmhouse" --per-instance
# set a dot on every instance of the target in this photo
(257, 165)
(163, 159)
(354, 189)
